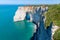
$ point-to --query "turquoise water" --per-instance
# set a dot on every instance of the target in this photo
(10, 30)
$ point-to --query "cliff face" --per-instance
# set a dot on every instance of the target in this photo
(21, 13)
(18, 14)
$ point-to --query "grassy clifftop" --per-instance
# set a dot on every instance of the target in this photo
(53, 15)
(56, 36)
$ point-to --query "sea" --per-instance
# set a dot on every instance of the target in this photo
(10, 30)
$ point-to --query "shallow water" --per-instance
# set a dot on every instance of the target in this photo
(10, 30)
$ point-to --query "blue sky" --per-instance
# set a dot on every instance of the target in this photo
(29, 1)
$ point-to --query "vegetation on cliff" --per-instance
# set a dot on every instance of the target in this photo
(57, 35)
(53, 15)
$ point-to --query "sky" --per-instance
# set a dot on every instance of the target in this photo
(26, 2)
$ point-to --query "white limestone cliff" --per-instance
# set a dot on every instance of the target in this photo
(54, 28)
(21, 13)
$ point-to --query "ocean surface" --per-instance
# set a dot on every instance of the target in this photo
(10, 30)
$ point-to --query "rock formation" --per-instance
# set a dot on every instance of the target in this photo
(21, 13)
(42, 33)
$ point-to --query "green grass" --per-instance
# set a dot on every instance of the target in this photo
(53, 15)
(57, 35)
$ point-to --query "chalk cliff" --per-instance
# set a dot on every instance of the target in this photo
(21, 13)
